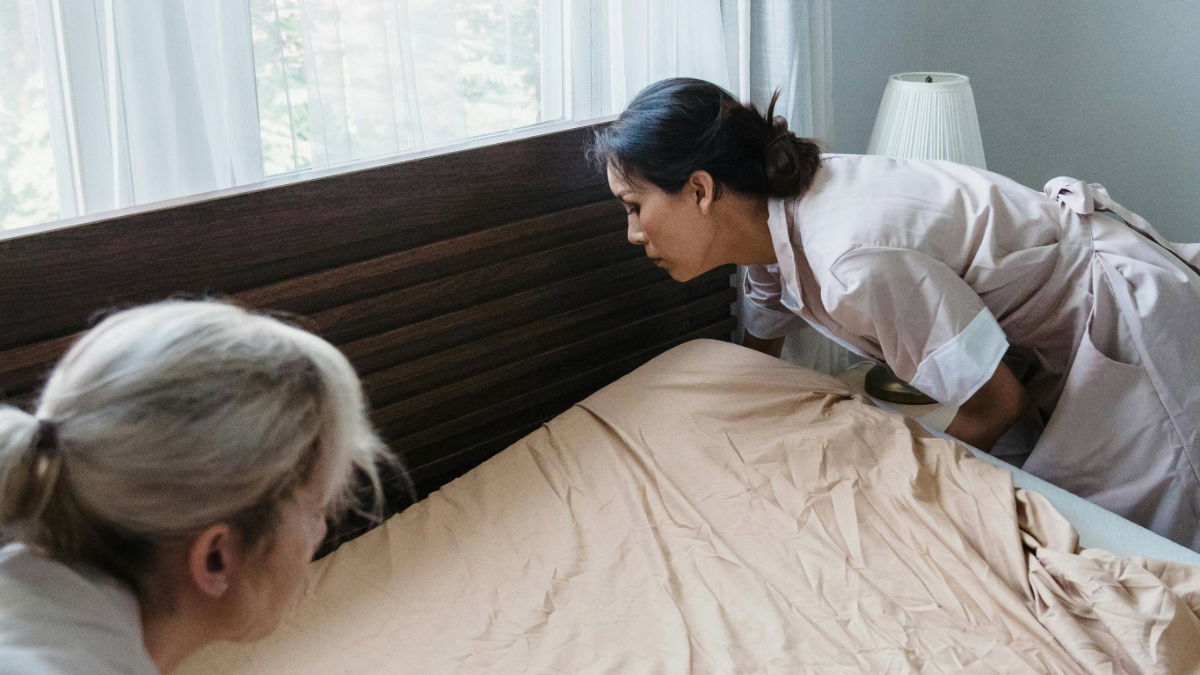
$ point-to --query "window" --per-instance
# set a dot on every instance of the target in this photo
(364, 73)
(216, 93)
(106, 104)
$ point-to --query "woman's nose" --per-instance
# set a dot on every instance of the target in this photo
(635, 234)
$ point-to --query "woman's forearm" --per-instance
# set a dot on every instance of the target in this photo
(991, 412)
(980, 431)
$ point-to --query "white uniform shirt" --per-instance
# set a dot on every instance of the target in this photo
(912, 263)
(58, 620)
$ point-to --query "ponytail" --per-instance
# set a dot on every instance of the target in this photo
(29, 466)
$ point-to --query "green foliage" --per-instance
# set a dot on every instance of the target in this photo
(28, 188)
(497, 59)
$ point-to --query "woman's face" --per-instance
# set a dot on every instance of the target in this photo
(674, 229)
(278, 573)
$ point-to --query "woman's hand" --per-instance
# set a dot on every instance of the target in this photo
(991, 412)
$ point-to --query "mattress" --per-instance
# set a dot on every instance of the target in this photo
(717, 511)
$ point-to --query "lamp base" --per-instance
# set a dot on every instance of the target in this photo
(885, 386)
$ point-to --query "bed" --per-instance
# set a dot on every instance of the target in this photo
(718, 511)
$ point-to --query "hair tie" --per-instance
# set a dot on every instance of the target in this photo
(47, 438)
(47, 466)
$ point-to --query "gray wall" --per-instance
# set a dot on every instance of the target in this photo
(1104, 90)
(872, 39)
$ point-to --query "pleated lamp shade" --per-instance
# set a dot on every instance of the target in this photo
(928, 120)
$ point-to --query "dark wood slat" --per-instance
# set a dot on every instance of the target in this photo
(713, 313)
(338, 286)
(419, 443)
(436, 405)
(22, 369)
(55, 279)
(457, 328)
(410, 305)
(26, 401)
(434, 475)
(395, 493)
(427, 449)
(534, 338)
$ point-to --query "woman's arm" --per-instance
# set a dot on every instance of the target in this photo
(991, 412)
(770, 347)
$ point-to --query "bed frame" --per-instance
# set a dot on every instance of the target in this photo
(479, 293)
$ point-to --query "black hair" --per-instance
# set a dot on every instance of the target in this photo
(678, 126)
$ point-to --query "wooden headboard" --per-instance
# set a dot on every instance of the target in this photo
(478, 293)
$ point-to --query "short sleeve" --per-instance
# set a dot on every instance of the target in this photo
(763, 313)
(933, 329)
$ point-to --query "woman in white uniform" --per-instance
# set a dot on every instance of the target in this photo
(171, 488)
(940, 270)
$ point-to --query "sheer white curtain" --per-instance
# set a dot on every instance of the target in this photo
(750, 47)
(789, 48)
(153, 99)
(386, 76)
(368, 94)
(150, 99)
(618, 47)
(147, 101)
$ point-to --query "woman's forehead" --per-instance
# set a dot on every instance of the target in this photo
(618, 182)
(623, 185)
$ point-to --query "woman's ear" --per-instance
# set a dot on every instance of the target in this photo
(211, 559)
(702, 185)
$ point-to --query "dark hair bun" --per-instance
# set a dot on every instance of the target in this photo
(676, 127)
(790, 162)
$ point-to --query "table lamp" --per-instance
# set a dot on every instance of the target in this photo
(928, 116)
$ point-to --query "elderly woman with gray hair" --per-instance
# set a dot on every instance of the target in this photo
(171, 487)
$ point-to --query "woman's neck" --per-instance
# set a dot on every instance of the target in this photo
(749, 230)
(171, 634)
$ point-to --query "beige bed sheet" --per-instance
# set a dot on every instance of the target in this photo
(717, 511)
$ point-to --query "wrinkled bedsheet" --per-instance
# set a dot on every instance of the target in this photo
(719, 511)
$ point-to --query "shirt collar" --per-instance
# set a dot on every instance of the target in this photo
(785, 252)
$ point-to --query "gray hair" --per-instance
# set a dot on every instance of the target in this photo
(168, 418)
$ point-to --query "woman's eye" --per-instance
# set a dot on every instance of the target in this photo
(631, 210)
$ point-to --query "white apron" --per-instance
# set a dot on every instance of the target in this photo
(1124, 432)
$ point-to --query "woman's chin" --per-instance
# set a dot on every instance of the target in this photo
(678, 272)
(681, 275)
